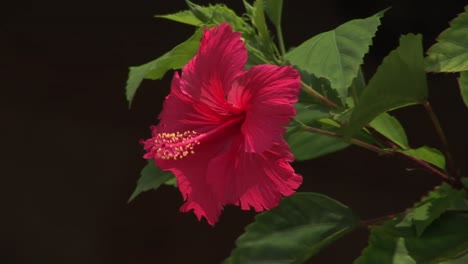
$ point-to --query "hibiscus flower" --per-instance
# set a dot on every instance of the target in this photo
(221, 129)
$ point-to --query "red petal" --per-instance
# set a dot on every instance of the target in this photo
(183, 113)
(252, 179)
(208, 76)
(191, 174)
(267, 94)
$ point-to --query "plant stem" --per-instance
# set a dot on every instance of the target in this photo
(315, 94)
(378, 220)
(429, 168)
(443, 138)
(279, 32)
(379, 150)
(335, 135)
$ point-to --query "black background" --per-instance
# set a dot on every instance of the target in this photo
(70, 152)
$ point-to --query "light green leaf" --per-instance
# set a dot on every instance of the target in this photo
(446, 239)
(172, 60)
(389, 126)
(450, 53)
(337, 54)
(301, 226)
(432, 206)
(273, 9)
(151, 178)
(217, 14)
(463, 83)
(258, 20)
(399, 81)
(185, 17)
(431, 155)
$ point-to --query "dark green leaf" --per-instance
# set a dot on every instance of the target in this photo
(297, 229)
(185, 17)
(432, 207)
(306, 145)
(389, 126)
(151, 178)
(337, 54)
(174, 59)
(358, 85)
(309, 113)
(399, 81)
(446, 239)
(461, 260)
(320, 85)
(431, 155)
(463, 83)
(273, 9)
(450, 53)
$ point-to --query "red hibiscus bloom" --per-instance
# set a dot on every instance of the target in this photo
(221, 129)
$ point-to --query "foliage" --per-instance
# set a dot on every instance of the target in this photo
(338, 108)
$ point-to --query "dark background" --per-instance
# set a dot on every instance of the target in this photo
(70, 152)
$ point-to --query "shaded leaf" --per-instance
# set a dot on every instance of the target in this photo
(463, 83)
(297, 229)
(431, 155)
(320, 85)
(306, 145)
(273, 9)
(172, 60)
(389, 126)
(450, 53)
(337, 54)
(446, 239)
(399, 81)
(151, 178)
(461, 260)
(432, 207)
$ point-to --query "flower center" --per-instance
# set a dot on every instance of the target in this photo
(175, 145)
(178, 145)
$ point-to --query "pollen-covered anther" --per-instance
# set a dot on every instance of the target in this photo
(175, 145)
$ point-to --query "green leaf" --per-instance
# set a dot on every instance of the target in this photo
(431, 155)
(307, 113)
(461, 260)
(399, 81)
(320, 85)
(151, 178)
(446, 239)
(337, 54)
(297, 229)
(217, 14)
(185, 17)
(432, 207)
(463, 83)
(172, 60)
(450, 53)
(273, 9)
(258, 19)
(389, 126)
(306, 145)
